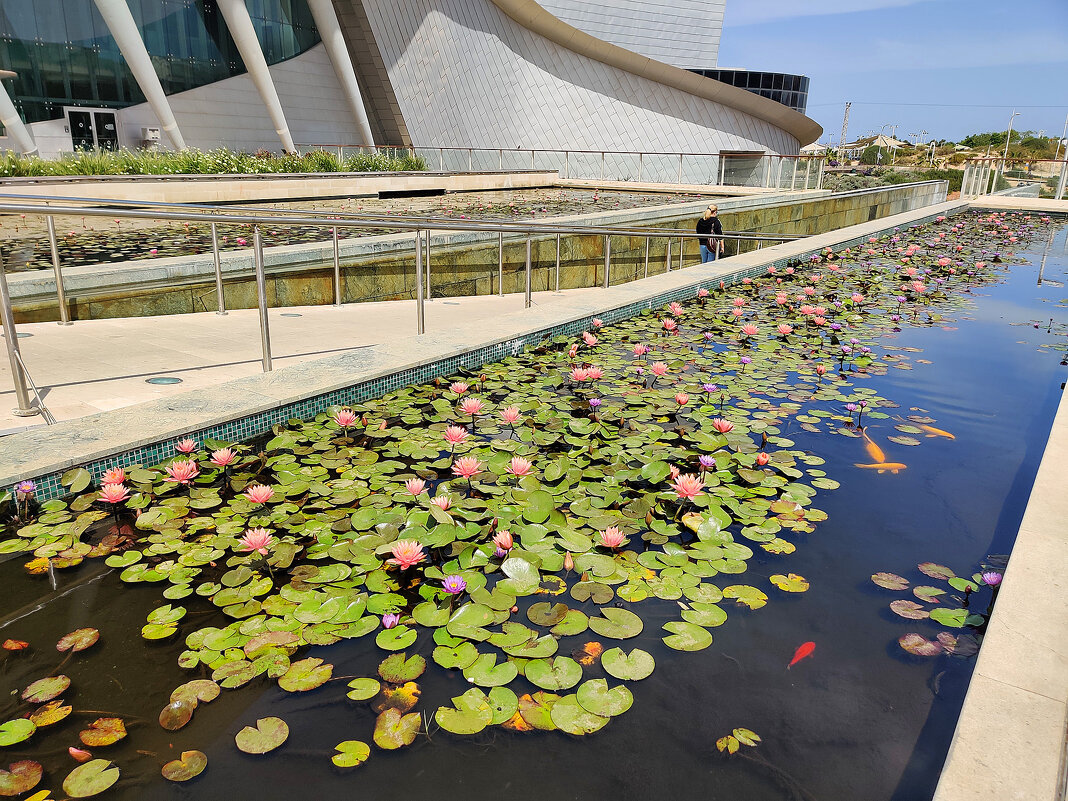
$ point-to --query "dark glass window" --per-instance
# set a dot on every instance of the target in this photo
(64, 55)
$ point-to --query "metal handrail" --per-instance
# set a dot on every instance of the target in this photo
(160, 211)
(462, 149)
(45, 413)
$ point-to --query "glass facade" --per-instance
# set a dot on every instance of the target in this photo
(64, 55)
(790, 90)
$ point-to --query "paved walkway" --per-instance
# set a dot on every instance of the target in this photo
(99, 365)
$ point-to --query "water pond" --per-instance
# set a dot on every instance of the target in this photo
(588, 572)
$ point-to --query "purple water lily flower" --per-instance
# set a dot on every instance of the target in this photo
(709, 388)
(454, 585)
(851, 407)
(746, 360)
(25, 488)
(992, 578)
(707, 462)
(595, 402)
(390, 620)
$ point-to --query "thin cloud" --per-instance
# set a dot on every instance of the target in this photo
(755, 12)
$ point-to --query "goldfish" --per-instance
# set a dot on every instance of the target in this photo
(803, 650)
(874, 451)
(935, 432)
(882, 467)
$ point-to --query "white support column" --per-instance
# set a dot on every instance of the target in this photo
(240, 24)
(121, 24)
(13, 123)
(334, 40)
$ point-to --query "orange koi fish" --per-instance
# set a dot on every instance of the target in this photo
(803, 650)
(874, 451)
(882, 467)
(934, 432)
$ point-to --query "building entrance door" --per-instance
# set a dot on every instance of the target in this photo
(92, 129)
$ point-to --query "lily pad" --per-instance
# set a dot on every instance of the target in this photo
(503, 704)
(363, 689)
(78, 640)
(46, 689)
(460, 656)
(16, 731)
(636, 665)
(188, 766)
(103, 731)
(20, 777)
(485, 672)
(394, 730)
(351, 754)
(595, 697)
(618, 624)
(890, 581)
(307, 674)
(268, 734)
(92, 778)
(936, 571)
(908, 609)
(929, 594)
(954, 618)
(536, 710)
(399, 668)
(402, 697)
(569, 716)
(919, 645)
(746, 596)
(546, 614)
(47, 714)
(790, 583)
(686, 636)
(561, 673)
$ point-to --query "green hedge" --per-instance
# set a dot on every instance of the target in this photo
(197, 162)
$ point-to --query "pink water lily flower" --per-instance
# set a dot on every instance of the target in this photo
(390, 620)
(182, 471)
(597, 322)
(459, 387)
(115, 475)
(443, 502)
(675, 309)
(857, 297)
(406, 554)
(114, 493)
(762, 458)
(466, 466)
(611, 537)
(669, 324)
(738, 302)
(519, 466)
(688, 486)
(749, 330)
(510, 415)
(186, 445)
(223, 457)
(259, 493)
(503, 540)
(256, 539)
(414, 486)
(785, 330)
(702, 292)
(640, 350)
(345, 418)
(454, 435)
(594, 373)
(721, 425)
(659, 369)
(589, 338)
(682, 398)
(579, 374)
(472, 406)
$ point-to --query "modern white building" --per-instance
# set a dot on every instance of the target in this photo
(282, 74)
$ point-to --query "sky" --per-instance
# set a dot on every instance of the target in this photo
(947, 67)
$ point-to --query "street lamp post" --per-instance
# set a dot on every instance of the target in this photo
(1008, 137)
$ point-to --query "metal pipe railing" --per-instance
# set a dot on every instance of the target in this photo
(61, 295)
(11, 344)
(49, 418)
(217, 259)
(261, 297)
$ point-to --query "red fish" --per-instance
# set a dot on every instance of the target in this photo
(805, 649)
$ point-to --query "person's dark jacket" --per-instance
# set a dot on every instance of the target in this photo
(710, 226)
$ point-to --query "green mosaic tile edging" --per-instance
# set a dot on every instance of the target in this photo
(247, 428)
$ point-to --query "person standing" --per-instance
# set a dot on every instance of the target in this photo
(710, 226)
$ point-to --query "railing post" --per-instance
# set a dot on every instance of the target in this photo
(420, 321)
(532, 158)
(337, 270)
(682, 247)
(500, 155)
(11, 342)
(500, 263)
(470, 163)
(667, 261)
(646, 257)
(602, 165)
(61, 295)
(819, 174)
(441, 159)
(793, 174)
(680, 168)
(527, 302)
(558, 262)
(808, 169)
(428, 295)
(640, 160)
(567, 165)
(778, 174)
(218, 270)
(1060, 183)
(261, 298)
(766, 170)
(607, 260)
(722, 170)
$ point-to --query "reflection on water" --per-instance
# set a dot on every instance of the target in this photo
(856, 719)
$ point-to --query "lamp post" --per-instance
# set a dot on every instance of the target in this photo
(1008, 137)
(892, 127)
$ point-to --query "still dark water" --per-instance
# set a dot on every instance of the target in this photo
(860, 720)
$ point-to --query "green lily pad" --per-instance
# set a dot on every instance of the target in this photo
(890, 581)
(363, 689)
(569, 716)
(351, 754)
(92, 778)
(746, 596)
(16, 731)
(485, 672)
(78, 640)
(471, 715)
(504, 704)
(790, 583)
(561, 673)
(20, 777)
(618, 624)
(929, 594)
(46, 689)
(268, 734)
(592, 591)
(394, 730)
(307, 674)
(573, 623)
(595, 697)
(546, 614)
(954, 618)
(396, 639)
(400, 668)
(461, 656)
(936, 571)
(539, 505)
(707, 615)
(636, 665)
(686, 636)
(188, 766)
(908, 609)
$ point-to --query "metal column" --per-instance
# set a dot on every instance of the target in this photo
(526, 296)
(428, 296)
(261, 297)
(607, 260)
(667, 261)
(11, 342)
(218, 269)
(500, 264)
(420, 320)
(61, 295)
(337, 270)
(646, 257)
(557, 262)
